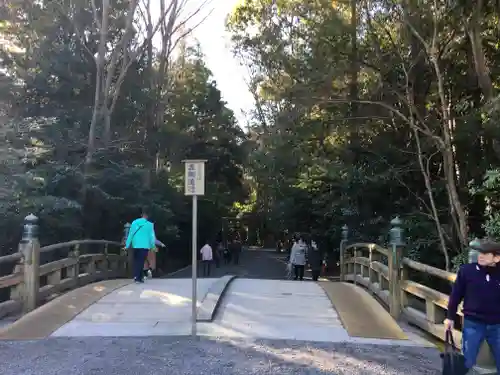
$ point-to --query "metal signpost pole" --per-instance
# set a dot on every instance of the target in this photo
(194, 186)
(194, 265)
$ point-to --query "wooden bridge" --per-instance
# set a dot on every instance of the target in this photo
(78, 263)
(395, 281)
(398, 282)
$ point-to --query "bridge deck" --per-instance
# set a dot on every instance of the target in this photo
(262, 326)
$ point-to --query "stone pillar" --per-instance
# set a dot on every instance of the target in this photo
(30, 248)
(343, 244)
(395, 255)
(126, 230)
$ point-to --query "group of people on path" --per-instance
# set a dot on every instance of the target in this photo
(222, 254)
(141, 239)
(477, 284)
(305, 251)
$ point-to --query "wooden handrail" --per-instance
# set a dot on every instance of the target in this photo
(442, 274)
(389, 280)
(368, 245)
(31, 284)
(11, 258)
(63, 245)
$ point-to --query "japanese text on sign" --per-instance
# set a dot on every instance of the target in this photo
(195, 178)
(191, 178)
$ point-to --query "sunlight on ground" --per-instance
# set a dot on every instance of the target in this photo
(168, 298)
(125, 292)
(308, 356)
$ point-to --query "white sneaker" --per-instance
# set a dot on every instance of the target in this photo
(149, 274)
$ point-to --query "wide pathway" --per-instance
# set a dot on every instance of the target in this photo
(159, 307)
(263, 327)
(254, 263)
(272, 309)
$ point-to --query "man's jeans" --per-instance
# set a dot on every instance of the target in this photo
(206, 267)
(139, 259)
(473, 335)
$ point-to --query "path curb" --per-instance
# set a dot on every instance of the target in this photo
(174, 272)
(207, 311)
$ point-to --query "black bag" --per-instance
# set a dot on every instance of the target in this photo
(453, 360)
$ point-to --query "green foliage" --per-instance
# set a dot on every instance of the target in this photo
(48, 107)
(344, 107)
(490, 191)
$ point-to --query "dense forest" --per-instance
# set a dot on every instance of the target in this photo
(101, 101)
(363, 110)
(367, 109)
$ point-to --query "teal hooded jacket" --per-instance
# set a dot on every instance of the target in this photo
(141, 235)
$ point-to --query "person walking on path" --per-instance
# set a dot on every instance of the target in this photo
(478, 286)
(150, 263)
(298, 258)
(206, 258)
(236, 251)
(141, 238)
(219, 253)
(315, 261)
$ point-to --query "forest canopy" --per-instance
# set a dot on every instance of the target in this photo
(367, 109)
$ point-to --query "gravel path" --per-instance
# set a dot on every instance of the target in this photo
(182, 356)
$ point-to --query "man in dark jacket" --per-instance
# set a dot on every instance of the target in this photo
(315, 261)
(478, 286)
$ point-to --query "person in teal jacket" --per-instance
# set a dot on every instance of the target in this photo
(141, 238)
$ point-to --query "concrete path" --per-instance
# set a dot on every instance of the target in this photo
(277, 309)
(286, 310)
(250, 309)
(157, 307)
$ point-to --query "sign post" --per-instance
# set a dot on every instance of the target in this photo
(194, 185)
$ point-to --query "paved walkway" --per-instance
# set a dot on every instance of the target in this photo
(265, 325)
(286, 310)
(250, 309)
(157, 307)
(272, 309)
(254, 264)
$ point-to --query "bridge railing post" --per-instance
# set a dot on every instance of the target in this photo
(129, 267)
(343, 244)
(394, 260)
(29, 247)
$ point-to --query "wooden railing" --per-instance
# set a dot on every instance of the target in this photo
(64, 266)
(388, 276)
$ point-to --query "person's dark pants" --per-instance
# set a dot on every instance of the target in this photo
(139, 259)
(315, 274)
(236, 257)
(299, 271)
(206, 267)
(473, 335)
